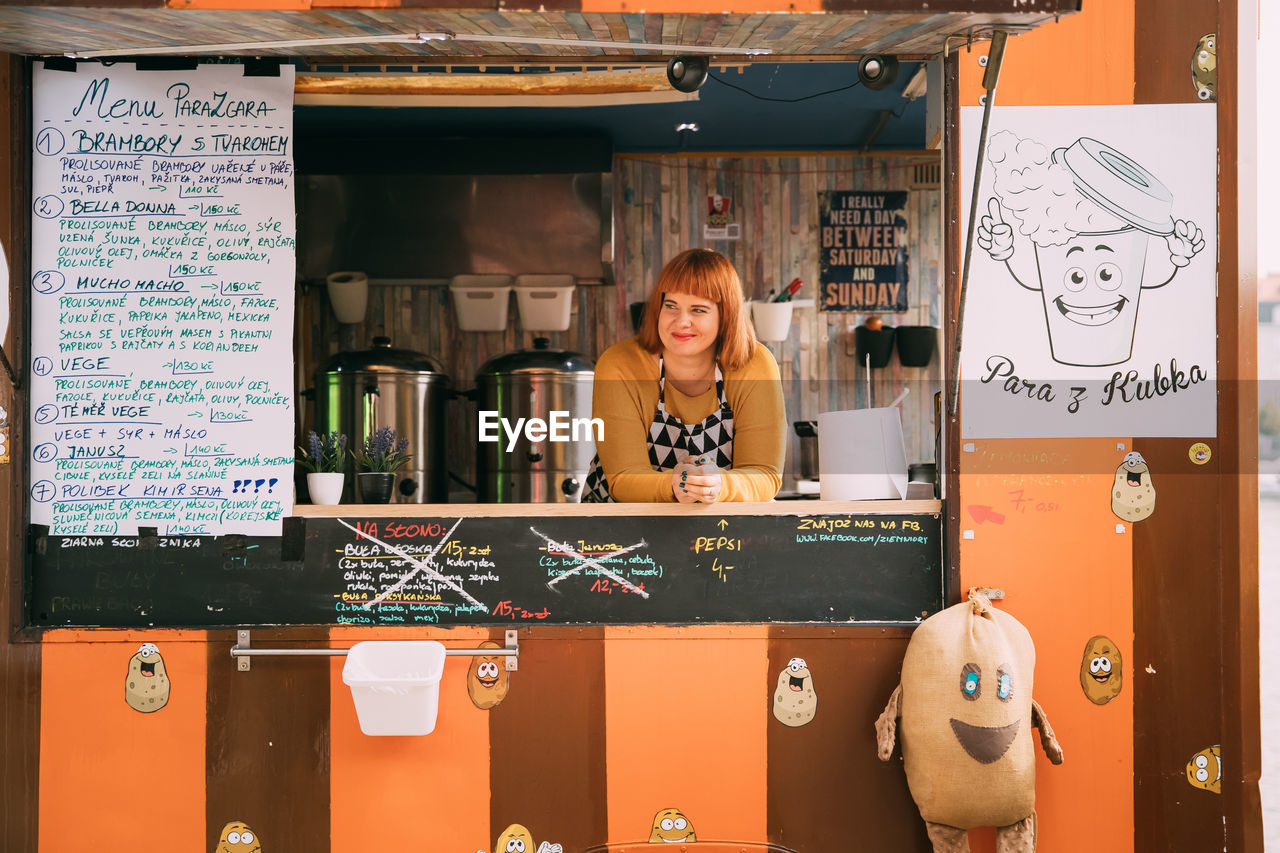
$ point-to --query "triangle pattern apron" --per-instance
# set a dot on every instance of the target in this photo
(670, 440)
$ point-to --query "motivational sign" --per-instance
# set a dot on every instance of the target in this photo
(1091, 298)
(863, 264)
(446, 570)
(162, 300)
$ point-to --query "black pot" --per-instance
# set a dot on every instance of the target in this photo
(878, 343)
(916, 345)
(375, 486)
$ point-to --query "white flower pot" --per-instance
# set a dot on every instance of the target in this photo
(325, 488)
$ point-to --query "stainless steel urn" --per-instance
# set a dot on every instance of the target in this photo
(359, 392)
(535, 405)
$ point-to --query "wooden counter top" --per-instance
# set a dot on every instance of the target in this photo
(550, 510)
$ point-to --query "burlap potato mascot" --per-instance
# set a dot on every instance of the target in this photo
(967, 713)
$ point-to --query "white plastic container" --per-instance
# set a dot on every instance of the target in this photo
(772, 320)
(395, 685)
(481, 301)
(545, 302)
(861, 455)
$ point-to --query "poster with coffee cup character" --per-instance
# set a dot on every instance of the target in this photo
(1090, 307)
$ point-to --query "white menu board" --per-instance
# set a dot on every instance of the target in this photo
(162, 261)
(1092, 287)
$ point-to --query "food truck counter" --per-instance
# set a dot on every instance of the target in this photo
(830, 562)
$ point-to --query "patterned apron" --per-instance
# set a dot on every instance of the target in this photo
(671, 440)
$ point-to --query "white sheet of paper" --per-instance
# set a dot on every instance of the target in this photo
(162, 300)
(1084, 339)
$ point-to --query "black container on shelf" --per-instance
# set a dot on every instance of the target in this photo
(916, 345)
(876, 342)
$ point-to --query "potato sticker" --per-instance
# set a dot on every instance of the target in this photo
(488, 679)
(1133, 497)
(794, 700)
(146, 685)
(237, 837)
(1204, 770)
(671, 827)
(1100, 671)
(514, 839)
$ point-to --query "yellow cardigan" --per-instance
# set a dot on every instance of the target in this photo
(625, 397)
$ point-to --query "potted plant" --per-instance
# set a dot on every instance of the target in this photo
(323, 457)
(379, 457)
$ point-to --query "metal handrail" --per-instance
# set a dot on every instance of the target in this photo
(242, 651)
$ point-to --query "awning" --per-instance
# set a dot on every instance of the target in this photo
(910, 29)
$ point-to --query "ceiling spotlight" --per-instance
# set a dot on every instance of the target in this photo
(687, 73)
(875, 71)
(687, 125)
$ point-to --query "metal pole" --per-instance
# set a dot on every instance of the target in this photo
(242, 653)
(995, 57)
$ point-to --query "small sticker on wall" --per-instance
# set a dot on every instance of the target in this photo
(517, 839)
(720, 224)
(794, 700)
(237, 837)
(487, 678)
(1133, 495)
(1101, 672)
(146, 684)
(1199, 453)
(671, 826)
(4, 433)
(1204, 770)
(1204, 67)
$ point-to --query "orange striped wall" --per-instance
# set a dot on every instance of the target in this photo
(687, 710)
(411, 793)
(112, 778)
(1067, 573)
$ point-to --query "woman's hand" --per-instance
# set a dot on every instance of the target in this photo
(696, 481)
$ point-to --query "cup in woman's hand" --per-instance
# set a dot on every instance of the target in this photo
(696, 480)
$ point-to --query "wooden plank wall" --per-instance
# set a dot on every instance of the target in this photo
(660, 207)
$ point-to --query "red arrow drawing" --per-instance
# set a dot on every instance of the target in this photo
(982, 513)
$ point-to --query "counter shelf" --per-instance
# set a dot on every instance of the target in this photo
(508, 510)
(855, 563)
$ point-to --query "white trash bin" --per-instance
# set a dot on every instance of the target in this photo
(395, 685)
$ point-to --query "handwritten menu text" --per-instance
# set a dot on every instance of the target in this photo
(162, 301)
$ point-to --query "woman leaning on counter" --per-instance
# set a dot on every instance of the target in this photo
(692, 405)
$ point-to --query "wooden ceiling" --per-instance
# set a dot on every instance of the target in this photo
(911, 29)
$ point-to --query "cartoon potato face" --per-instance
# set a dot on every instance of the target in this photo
(794, 700)
(1133, 496)
(671, 827)
(487, 678)
(514, 839)
(967, 682)
(1101, 671)
(1204, 770)
(237, 837)
(1204, 67)
(146, 687)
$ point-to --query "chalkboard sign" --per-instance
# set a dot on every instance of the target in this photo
(501, 570)
(162, 256)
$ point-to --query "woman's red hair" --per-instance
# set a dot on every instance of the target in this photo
(707, 275)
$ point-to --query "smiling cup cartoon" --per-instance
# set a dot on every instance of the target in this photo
(1090, 213)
